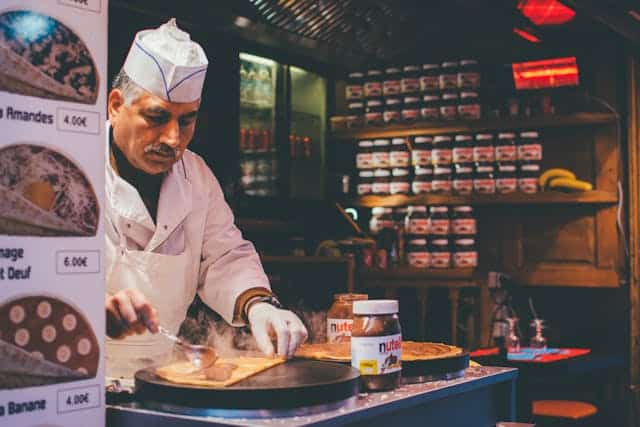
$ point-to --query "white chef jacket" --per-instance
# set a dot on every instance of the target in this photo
(193, 215)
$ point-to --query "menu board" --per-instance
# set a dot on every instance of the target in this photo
(53, 62)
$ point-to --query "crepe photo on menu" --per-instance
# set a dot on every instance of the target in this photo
(40, 56)
(44, 193)
(44, 340)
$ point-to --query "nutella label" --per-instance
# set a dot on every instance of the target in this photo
(483, 154)
(399, 159)
(391, 116)
(506, 153)
(430, 113)
(420, 187)
(373, 118)
(409, 85)
(441, 185)
(364, 189)
(419, 259)
(364, 160)
(419, 226)
(339, 330)
(381, 159)
(439, 227)
(463, 155)
(448, 81)
(506, 185)
(528, 185)
(391, 87)
(440, 259)
(442, 156)
(399, 187)
(372, 89)
(465, 259)
(484, 186)
(530, 152)
(463, 226)
(354, 92)
(469, 111)
(420, 157)
(380, 187)
(448, 112)
(410, 115)
(429, 83)
(469, 80)
(463, 186)
(376, 355)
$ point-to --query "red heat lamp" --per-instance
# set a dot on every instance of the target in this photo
(546, 12)
(546, 73)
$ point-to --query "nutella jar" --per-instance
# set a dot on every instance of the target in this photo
(465, 254)
(391, 83)
(364, 156)
(381, 218)
(439, 222)
(381, 153)
(365, 183)
(506, 178)
(373, 84)
(399, 154)
(430, 109)
(355, 119)
(449, 75)
(463, 178)
(462, 221)
(449, 106)
(392, 111)
(469, 107)
(418, 253)
(440, 253)
(422, 180)
(340, 317)
(529, 146)
(469, 74)
(528, 178)
(441, 182)
(462, 149)
(417, 221)
(376, 344)
(484, 181)
(483, 150)
(410, 82)
(373, 114)
(506, 147)
(381, 182)
(400, 182)
(430, 78)
(411, 108)
(442, 154)
(422, 151)
(354, 89)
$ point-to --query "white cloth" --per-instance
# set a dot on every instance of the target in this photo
(166, 62)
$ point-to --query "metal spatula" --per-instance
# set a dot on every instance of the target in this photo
(201, 356)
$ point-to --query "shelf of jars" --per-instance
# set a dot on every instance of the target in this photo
(444, 127)
(409, 273)
(593, 197)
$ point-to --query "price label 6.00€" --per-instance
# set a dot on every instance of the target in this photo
(77, 262)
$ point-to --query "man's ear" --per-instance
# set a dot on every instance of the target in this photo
(115, 103)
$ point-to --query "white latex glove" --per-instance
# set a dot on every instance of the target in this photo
(290, 332)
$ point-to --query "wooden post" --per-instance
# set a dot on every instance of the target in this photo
(423, 294)
(454, 299)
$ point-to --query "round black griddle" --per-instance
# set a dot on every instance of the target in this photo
(295, 383)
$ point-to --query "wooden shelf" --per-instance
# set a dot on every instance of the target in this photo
(405, 272)
(425, 128)
(290, 259)
(544, 198)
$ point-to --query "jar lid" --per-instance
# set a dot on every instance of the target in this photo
(381, 142)
(506, 135)
(430, 98)
(530, 167)
(356, 75)
(442, 138)
(393, 70)
(440, 242)
(422, 139)
(380, 306)
(423, 170)
(464, 95)
(417, 208)
(463, 169)
(507, 168)
(450, 95)
(374, 73)
(433, 209)
(351, 297)
(464, 208)
(374, 102)
(411, 68)
(365, 174)
(398, 141)
(408, 99)
(387, 210)
(378, 210)
(484, 169)
(529, 134)
(365, 143)
(430, 66)
(463, 138)
(381, 172)
(353, 105)
(449, 64)
(442, 170)
(465, 242)
(417, 242)
(392, 101)
(484, 136)
(400, 172)
(468, 62)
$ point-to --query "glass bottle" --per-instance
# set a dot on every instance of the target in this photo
(538, 340)
(512, 341)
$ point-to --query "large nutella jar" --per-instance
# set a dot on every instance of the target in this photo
(430, 78)
(483, 150)
(528, 177)
(430, 109)
(364, 156)
(484, 181)
(439, 222)
(376, 344)
(355, 119)
(373, 113)
(529, 146)
(411, 108)
(400, 182)
(391, 82)
(392, 110)
(463, 178)
(440, 253)
(469, 107)
(506, 179)
(381, 182)
(449, 75)
(449, 106)
(418, 253)
(354, 89)
(410, 82)
(462, 221)
(373, 84)
(469, 74)
(506, 147)
(340, 317)
(422, 151)
(442, 154)
(463, 149)
(422, 180)
(381, 153)
(399, 154)
(365, 182)
(441, 182)
(417, 221)
(465, 254)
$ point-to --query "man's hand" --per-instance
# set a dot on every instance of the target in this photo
(289, 330)
(128, 313)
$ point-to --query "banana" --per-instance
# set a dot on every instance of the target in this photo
(549, 174)
(567, 184)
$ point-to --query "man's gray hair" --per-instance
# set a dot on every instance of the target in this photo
(130, 90)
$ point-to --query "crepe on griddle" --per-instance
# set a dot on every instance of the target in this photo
(44, 193)
(411, 351)
(40, 56)
(186, 373)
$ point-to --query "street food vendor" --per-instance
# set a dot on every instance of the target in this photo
(170, 233)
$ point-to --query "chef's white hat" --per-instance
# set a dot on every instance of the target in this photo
(166, 62)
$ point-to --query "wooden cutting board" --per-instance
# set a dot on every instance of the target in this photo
(186, 373)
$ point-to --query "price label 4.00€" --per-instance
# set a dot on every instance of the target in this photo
(78, 121)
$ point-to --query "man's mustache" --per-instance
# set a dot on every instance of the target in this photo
(162, 150)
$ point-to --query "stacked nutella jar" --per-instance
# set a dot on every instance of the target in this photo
(383, 167)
